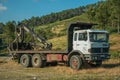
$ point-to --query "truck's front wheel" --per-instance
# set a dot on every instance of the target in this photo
(25, 60)
(75, 62)
(37, 61)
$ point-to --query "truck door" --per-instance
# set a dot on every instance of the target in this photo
(81, 43)
(75, 38)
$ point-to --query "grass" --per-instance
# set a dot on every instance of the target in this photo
(114, 42)
(13, 71)
(59, 43)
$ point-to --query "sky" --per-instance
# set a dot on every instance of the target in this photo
(18, 10)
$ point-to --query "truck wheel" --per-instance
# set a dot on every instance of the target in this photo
(25, 60)
(96, 64)
(75, 62)
(37, 61)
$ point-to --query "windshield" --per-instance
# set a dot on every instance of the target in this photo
(98, 37)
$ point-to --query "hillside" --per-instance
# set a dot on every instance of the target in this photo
(57, 31)
(82, 18)
(58, 28)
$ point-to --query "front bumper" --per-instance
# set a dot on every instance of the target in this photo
(96, 57)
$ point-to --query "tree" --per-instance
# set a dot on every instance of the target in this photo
(8, 32)
(102, 14)
(116, 9)
(1, 27)
(1, 31)
(91, 12)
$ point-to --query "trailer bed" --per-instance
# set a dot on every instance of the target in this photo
(48, 52)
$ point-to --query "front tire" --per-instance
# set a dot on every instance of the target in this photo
(25, 60)
(75, 62)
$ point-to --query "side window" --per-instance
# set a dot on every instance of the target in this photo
(82, 36)
(75, 37)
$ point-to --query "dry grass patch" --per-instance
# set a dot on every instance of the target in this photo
(115, 42)
(108, 71)
(59, 43)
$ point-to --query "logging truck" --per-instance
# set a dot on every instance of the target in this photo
(84, 45)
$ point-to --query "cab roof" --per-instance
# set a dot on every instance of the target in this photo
(81, 25)
(90, 30)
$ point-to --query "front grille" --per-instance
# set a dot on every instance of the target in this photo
(99, 50)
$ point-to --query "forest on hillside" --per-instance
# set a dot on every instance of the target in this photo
(106, 13)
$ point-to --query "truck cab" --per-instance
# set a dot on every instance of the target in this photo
(93, 44)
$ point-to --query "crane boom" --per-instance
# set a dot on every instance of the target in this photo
(19, 43)
(39, 38)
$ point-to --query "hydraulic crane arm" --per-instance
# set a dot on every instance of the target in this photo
(20, 34)
(38, 37)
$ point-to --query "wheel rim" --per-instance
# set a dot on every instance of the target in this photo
(36, 61)
(24, 61)
(74, 63)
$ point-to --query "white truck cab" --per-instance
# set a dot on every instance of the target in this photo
(93, 44)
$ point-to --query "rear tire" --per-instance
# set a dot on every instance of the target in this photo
(37, 61)
(75, 62)
(25, 60)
